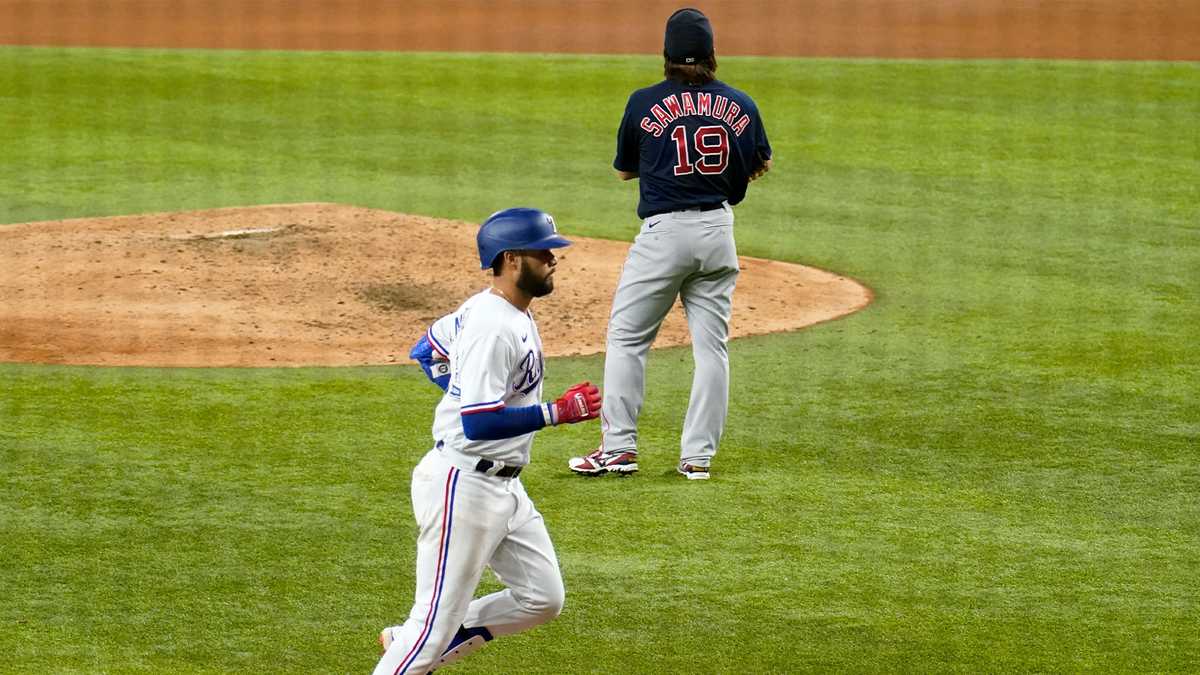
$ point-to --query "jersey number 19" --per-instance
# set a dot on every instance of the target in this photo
(711, 143)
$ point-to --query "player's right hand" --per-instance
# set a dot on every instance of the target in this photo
(579, 403)
(762, 168)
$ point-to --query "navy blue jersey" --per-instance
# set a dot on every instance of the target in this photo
(690, 145)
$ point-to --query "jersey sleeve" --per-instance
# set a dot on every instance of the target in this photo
(483, 367)
(628, 146)
(762, 147)
(442, 334)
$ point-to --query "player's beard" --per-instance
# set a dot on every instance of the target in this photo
(530, 284)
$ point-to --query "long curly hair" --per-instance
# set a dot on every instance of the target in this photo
(700, 72)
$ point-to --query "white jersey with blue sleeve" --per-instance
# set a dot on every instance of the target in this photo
(443, 332)
(496, 361)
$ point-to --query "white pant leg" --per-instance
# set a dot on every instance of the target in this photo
(524, 562)
(462, 516)
(648, 287)
(708, 300)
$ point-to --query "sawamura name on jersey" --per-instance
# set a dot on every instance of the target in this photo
(692, 145)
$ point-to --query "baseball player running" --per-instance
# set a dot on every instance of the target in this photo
(695, 143)
(471, 508)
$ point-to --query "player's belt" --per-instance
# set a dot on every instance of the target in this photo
(487, 466)
(699, 207)
(509, 471)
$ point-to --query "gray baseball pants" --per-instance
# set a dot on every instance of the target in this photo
(690, 255)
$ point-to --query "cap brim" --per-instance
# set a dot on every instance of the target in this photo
(553, 241)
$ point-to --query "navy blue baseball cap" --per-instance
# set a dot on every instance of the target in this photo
(689, 36)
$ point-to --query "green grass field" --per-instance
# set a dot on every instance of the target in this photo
(994, 467)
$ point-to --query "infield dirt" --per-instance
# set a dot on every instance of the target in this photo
(315, 284)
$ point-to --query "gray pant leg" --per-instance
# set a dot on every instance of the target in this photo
(708, 301)
(648, 287)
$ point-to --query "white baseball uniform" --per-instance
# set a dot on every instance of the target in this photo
(470, 517)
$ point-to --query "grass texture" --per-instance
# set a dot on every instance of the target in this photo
(994, 467)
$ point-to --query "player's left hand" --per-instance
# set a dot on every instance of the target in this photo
(579, 403)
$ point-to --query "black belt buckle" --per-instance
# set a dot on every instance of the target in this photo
(485, 465)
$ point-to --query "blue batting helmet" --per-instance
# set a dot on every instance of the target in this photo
(514, 229)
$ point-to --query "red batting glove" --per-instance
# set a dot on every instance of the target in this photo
(580, 402)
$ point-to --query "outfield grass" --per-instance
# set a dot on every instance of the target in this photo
(993, 467)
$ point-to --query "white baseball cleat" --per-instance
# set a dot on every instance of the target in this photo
(601, 462)
(693, 471)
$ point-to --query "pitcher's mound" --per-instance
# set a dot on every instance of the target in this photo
(315, 284)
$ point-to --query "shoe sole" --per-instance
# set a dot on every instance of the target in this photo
(464, 648)
(694, 475)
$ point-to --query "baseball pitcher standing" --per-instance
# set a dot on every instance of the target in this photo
(694, 143)
(471, 508)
